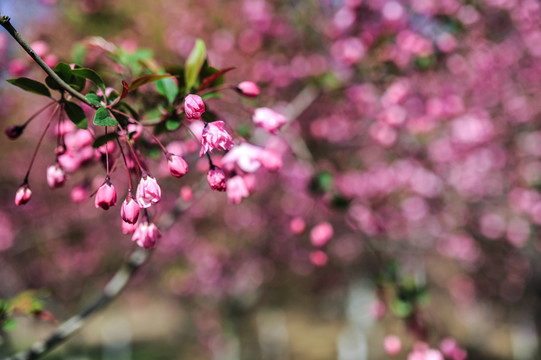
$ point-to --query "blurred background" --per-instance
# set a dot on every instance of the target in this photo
(407, 203)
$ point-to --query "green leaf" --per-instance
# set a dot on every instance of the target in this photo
(63, 70)
(145, 79)
(94, 99)
(172, 124)
(10, 324)
(90, 75)
(76, 114)
(102, 118)
(104, 139)
(211, 95)
(30, 85)
(168, 88)
(194, 63)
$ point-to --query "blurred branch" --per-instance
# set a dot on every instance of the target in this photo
(113, 288)
(5, 22)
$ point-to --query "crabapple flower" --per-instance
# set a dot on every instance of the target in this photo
(270, 160)
(268, 119)
(23, 195)
(321, 234)
(236, 189)
(392, 345)
(248, 89)
(128, 228)
(146, 235)
(106, 196)
(216, 179)
(56, 176)
(79, 193)
(148, 192)
(194, 107)
(129, 210)
(214, 136)
(318, 258)
(245, 156)
(177, 166)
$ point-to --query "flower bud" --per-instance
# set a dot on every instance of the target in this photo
(79, 193)
(148, 192)
(146, 235)
(321, 234)
(268, 119)
(216, 179)
(106, 196)
(318, 258)
(23, 195)
(14, 131)
(56, 176)
(177, 166)
(194, 107)
(392, 345)
(128, 228)
(270, 160)
(215, 136)
(248, 89)
(130, 209)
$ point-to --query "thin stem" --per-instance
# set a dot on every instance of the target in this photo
(5, 22)
(106, 154)
(125, 164)
(37, 113)
(38, 145)
(135, 157)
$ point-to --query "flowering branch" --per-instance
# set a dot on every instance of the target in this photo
(5, 22)
(113, 288)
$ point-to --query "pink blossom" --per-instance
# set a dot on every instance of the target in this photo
(148, 192)
(236, 189)
(129, 210)
(421, 351)
(270, 160)
(245, 156)
(297, 225)
(318, 258)
(56, 176)
(215, 136)
(449, 347)
(23, 195)
(392, 345)
(216, 178)
(146, 235)
(186, 193)
(177, 166)
(128, 228)
(79, 193)
(268, 119)
(106, 196)
(248, 89)
(321, 233)
(194, 107)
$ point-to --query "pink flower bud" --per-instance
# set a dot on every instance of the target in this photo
(148, 192)
(130, 210)
(214, 136)
(56, 176)
(318, 258)
(146, 235)
(128, 228)
(297, 225)
(236, 189)
(13, 132)
(106, 196)
(269, 119)
(392, 345)
(216, 179)
(270, 160)
(248, 89)
(194, 107)
(23, 195)
(79, 193)
(186, 193)
(321, 234)
(177, 166)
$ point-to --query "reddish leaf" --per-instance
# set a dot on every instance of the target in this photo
(212, 78)
(145, 79)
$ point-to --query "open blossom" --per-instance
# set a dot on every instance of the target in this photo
(268, 119)
(106, 196)
(215, 136)
(23, 195)
(248, 89)
(177, 166)
(270, 160)
(245, 156)
(146, 235)
(130, 210)
(56, 176)
(236, 189)
(194, 107)
(216, 179)
(148, 192)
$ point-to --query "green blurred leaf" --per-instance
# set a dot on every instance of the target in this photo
(30, 85)
(102, 140)
(168, 88)
(10, 324)
(90, 75)
(211, 95)
(194, 63)
(145, 79)
(94, 99)
(76, 114)
(103, 118)
(401, 308)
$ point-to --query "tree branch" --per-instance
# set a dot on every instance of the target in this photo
(5, 22)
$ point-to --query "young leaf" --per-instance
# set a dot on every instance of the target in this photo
(94, 99)
(102, 118)
(145, 79)
(90, 75)
(194, 63)
(30, 85)
(168, 88)
(209, 80)
(76, 114)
